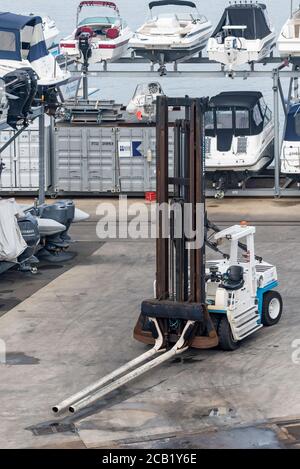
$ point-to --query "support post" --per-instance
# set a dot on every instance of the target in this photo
(162, 169)
(277, 130)
(41, 197)
(85, 83)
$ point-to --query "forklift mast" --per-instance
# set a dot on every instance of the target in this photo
(177, 318)
(180, 268)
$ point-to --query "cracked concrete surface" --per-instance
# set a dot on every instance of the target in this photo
(79, 327)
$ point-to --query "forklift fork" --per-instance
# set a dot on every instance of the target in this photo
(123, 375)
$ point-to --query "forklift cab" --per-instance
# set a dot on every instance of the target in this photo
(237, 286)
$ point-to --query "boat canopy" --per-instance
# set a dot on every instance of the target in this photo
(237, 114)
(292, 132)
(241, 99)
(96, 3)
(21, 37)
(253, 16)
(161, 3)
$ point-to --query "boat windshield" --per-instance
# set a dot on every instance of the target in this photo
(182, 12)
(96, 20)
(250, 21)
(238, 120)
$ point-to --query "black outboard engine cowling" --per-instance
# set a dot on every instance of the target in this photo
(30, 232)
(50, 100)
(22, 84)
(85, 45)
(33, 93)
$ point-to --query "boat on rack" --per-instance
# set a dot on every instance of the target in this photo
(51, 31)
(174, 36)
(289, 38)
(143, 102)
(25, 63)
(243, 35)
(108, 34)
(239, 133)
(290, 152)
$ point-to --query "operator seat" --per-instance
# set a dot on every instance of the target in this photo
(233, 279)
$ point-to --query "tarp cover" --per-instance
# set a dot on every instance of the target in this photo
(12, 244)
(252, 16)
(21, 37)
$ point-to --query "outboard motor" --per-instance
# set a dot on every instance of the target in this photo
(50, 97)
(30, 232)
(18, 85)
(33, 93)
(58, 212)
(70, 217)
(85, 46)
(21, 84)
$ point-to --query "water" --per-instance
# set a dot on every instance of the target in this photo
(135, 12)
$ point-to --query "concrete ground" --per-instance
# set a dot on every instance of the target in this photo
(78, 327)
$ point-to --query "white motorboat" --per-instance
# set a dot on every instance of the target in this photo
(243, 35)
(289, 39)
(143, 103)
(239, 133)
(172, 37)
(108, 35)
(24, 58)
(51, 31)
(290, 153)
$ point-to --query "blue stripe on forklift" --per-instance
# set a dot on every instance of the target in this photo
(261, 291)
(218, 311)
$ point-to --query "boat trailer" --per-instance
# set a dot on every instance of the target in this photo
(178, 318)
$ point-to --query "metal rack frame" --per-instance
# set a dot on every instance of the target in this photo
(37, 113)
(280, 70)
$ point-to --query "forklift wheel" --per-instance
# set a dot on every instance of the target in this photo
(272, 308)
(226, 340)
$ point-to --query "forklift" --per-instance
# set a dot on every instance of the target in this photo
(198, 303)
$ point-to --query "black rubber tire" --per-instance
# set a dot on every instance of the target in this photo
(226, 340)
(267, 320)
(216, 321)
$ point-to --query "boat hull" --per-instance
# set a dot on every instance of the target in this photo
(290, 159)
(169, 49)
(252, 51)
(169, 55)
(252, 161)
(101, 50)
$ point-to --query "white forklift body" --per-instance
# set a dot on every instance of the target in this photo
(241, 299)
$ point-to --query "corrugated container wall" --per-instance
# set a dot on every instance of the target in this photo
(105, 159)
(21, 160)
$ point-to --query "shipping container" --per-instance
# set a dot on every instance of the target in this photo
(105, 160)
(21, 160)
